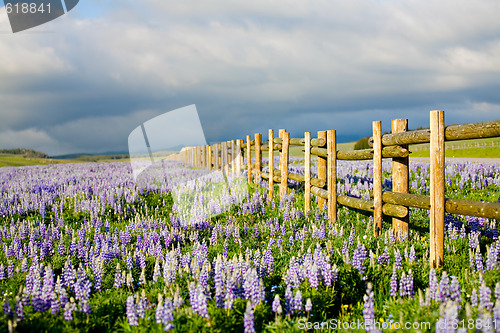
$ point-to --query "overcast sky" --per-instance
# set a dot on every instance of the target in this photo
(83, 82)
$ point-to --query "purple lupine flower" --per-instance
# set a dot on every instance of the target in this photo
(497, 291)
(198, 300)
(308, 306)
(345, 253)
(448, 318)
(178, 300)
(213, 239)
(412, 256)
(118, 277)
(140, 259)
(358, 258)
(485, 297)
(168, 314)
(394, 283)
(409, 284)
(492, 258)
(129, 261)
(7, 310)
(455, 291)
(479, 259)
(313, 277)
(297, 301)
(2, 272)
(397, 259)
(351, 236)
(433, 285)
(156, 271)
(384, 259)
(462, 231)
(19, 309)
(402, 285)
(225, 253)
(141, 304)
(288, 299)
(131, 311)
(368, 308)
(248, 321)
(159, 310)
(219, 283)
(10, 269)
(276, 306)
(444, 288)
(68, 310)
(473, 298)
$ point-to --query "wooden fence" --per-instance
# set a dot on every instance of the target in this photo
(228, 156)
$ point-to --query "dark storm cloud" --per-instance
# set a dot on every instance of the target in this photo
(248, 66)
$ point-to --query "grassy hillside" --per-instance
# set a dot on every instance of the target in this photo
(21, 160)
(479, 148)
(23, 157)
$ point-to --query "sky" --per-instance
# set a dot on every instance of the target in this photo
(84, 81)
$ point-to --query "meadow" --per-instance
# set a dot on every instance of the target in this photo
(84, 247)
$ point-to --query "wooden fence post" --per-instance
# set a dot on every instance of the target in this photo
(400, 180)
(377, 178)
(239, 156)
(322, 170)
(331, 146)
(225, 157)
(271, 164)
(284, 163)
(211, 157)
(437, 210)
(249, 160)
(232, 157)
(258, 158)
(307, 172)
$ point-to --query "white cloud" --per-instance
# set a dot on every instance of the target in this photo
(249, 60)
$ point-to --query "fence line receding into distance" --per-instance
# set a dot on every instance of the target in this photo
(225, 156)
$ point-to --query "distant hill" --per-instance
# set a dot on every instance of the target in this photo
(29, 153)
(92, 156)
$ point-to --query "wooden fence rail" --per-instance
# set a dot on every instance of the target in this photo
(228, 157)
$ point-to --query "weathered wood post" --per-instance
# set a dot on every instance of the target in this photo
(249, 160)
(209, 157)
(271, 164)
(331, 147)
(232, 157)
(284, 163)
(258, 158)
(239, 156)
(322, 163)
(437, 210)
(225, 158)
(400, 180)
(307, 172)
(377, 178)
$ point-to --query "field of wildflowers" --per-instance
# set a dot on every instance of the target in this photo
(85, 248)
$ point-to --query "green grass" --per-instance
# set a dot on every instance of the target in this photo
(14, 160)
(20, 160)
(484, 152)
(464, 149)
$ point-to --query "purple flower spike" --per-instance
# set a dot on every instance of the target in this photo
(248, 321)
(131, 311)
(276, 305)
(309, 305)
(368, 308)
(394, 283)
